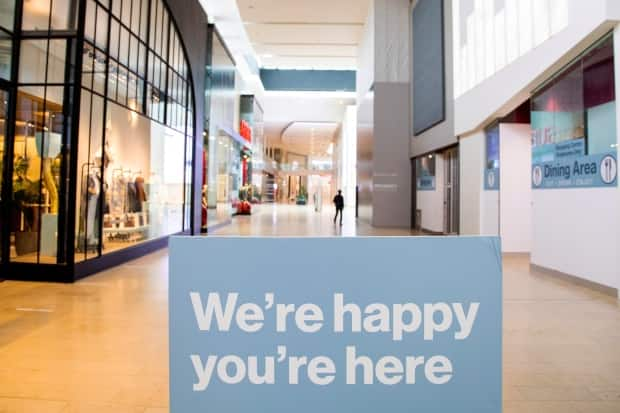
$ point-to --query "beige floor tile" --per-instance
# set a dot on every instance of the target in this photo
(539, 407)
(545, 393)
(597, 407)
(8, 405)
(87, 407)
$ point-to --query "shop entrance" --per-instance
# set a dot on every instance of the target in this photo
(451, 191)
(437, 203)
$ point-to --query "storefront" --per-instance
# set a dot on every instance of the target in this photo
(221, 149)
(251, 129)
(97, 144)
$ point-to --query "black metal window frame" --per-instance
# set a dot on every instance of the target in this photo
(175, 70)
(166, 74)
(68, 85)
(157, 11)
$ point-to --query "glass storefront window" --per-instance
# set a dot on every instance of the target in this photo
(4, 106)
(236, 175)
(7, 14)
(578, 106)
(91, 161)
(221, 147)
(220, 181)
(6, 52)
(492, 158)
(492, 147)
(600, 99)
(144, 179)
(44, 15)
(37, 162)
(42, 61)
(134, 172)
(134, 176)
(425, 166)
(557, 112)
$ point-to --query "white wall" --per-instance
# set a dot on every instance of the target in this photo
(489, 213)
(383, 53)
(503, 91)
(347, 156)
(574, 233)
(471, 151)
(479, 208)
(365, 74)
(515, 187)
(431, 202)
(492, 34)
(391, 40)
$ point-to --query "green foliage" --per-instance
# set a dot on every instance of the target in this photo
(303, 192)
(26, 191)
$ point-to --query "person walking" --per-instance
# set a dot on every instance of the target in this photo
(339, 203)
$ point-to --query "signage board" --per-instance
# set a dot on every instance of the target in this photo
(491, 179)
(590, 171)
(426, 183)
(567, 149)
(370, 325)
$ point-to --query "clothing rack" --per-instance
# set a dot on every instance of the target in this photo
(123, 224)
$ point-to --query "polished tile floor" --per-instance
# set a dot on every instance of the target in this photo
(101, 345)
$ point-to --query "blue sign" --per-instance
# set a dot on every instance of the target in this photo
(491, 179)
(426, 183)
(590, 171)
(567, 149)
(372, 325)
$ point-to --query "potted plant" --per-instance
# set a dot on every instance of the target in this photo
(302, 197)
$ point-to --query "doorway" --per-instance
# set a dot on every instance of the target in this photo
(451, 192)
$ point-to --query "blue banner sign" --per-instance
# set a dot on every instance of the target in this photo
(567, 149)
(426, 183)
(491, 179)
(590, 171)
(360, 330)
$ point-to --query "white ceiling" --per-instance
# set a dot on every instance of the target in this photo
(320, 34)
(305, 34)
(290, 118)
(310, 138)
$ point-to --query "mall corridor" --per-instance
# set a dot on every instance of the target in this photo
(101, 344)
(447, 133)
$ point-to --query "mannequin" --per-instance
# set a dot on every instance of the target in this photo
(93, 188)
(93, 193)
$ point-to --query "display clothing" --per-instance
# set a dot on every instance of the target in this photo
(140, 192)
(90, 210)
(131, 205)
(118, 194)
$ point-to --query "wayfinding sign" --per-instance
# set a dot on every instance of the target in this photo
(310, 325)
